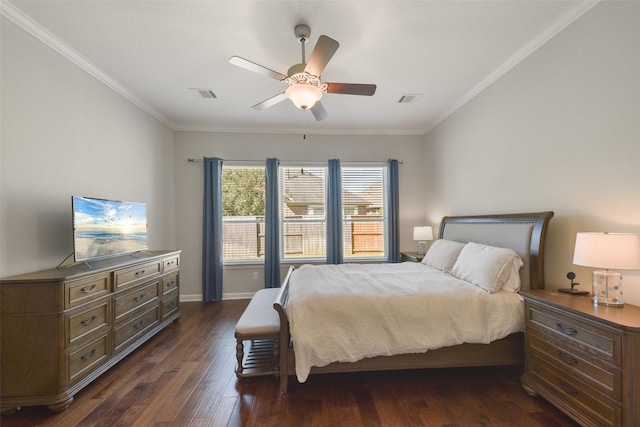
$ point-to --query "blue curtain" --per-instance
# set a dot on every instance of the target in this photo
(393, 206)
(272, 227)
(212, 231)
(335, 252)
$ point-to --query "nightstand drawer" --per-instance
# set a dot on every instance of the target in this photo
(578, 397)
(584, 337)
(601, 376)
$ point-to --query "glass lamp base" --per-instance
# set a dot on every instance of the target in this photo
(422, 248)
(607, 288)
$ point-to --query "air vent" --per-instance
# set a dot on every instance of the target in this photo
(410, 98)
(203, 93)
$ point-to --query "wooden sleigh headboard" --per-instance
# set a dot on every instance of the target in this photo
(524, 233)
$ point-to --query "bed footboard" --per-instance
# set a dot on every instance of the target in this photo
(280, 305)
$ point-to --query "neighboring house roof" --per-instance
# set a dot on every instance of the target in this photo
(308, 189)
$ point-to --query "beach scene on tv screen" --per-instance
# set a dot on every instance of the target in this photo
(108, 227)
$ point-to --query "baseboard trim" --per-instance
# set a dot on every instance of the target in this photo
(229, 296)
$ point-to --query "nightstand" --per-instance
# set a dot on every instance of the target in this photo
(410, 257)
(583, 358)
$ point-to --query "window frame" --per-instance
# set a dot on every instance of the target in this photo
(243, 261)
(383, 166)
(288, 259)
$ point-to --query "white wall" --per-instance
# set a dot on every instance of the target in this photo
(559, 132)
(238, 281)
(63, 133)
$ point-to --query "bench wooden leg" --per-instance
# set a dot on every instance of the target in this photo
(239, 356)
(276, 355)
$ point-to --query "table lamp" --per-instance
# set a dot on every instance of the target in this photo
(617, 251)
(422, 234)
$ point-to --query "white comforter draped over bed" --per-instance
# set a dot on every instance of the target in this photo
(349, 312)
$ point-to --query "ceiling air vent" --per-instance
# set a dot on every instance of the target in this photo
(203, 93)
(410, 98)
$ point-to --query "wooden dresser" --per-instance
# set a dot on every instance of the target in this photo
(585, 359)
(62, 328)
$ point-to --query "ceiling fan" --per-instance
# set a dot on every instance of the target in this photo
(305, 89)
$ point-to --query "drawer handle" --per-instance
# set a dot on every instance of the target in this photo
(139, 298)
(171, 283)
(138, 325)
(88, 289)
(568, 388)
(567, 358)
(171, 305)
(88, 321)
(140, 273)
(566, 329)
(88, 356)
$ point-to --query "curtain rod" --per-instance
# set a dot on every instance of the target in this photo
(192, 160)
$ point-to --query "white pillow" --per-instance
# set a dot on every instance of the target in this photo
(443, 254)
(485, 266)
(512, 284)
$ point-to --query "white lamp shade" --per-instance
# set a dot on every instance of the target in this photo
(423, 233)
(616, 251)
(303, 95)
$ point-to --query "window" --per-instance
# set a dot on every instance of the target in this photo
(303, 198)
(363, 207)
(243, 203)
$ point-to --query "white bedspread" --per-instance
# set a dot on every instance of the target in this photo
(349, 312)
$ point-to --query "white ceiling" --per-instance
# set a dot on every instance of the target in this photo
(152, 52)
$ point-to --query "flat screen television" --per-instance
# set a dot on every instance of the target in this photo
(104, 228)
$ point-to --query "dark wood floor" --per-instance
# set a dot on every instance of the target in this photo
(185, 377)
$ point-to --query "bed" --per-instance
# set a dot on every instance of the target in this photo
(318, 290)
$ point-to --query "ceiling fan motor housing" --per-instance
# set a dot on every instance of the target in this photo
(302, 32)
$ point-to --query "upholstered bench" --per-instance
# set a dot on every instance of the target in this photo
(259, 324)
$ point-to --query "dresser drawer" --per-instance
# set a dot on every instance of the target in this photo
(585, 337)
(82, 323)
(87, 358)
(135, 327)
(82, 291)
(170, 304)
(593, 371)
(170, 263)
(170, 283)
(577, 396)
(128, 302)
(131, 276)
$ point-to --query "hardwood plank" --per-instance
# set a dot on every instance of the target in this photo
(185, 377)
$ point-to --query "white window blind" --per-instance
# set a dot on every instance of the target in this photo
(302, 198)
(363, 207)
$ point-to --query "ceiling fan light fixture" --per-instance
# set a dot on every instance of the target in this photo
(303, 95)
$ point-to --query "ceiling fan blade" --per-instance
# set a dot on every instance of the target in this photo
(322, 53)
(256, 68)
(351, 88)
(269, 102)
(319, 112)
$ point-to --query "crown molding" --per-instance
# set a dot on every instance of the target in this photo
(555, 28)
(25, 22)
(291, 131)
